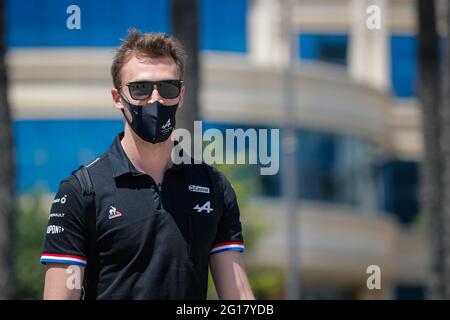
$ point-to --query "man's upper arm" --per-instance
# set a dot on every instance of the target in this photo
(63, 281)
(230, 277)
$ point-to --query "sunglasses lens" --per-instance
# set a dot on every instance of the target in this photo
(169, 89)
(140, 90)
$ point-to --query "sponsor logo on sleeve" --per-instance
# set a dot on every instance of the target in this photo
(54, 229)
(56, 215)
(61, 200)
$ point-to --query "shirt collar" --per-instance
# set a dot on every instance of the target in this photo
(120, 163)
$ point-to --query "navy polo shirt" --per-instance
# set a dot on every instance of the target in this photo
(153, 242)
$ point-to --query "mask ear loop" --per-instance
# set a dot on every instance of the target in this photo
(130, 121)
(124, 103)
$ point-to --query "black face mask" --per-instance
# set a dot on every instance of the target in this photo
(152, 122)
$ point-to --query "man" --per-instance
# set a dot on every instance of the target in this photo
(156, 225)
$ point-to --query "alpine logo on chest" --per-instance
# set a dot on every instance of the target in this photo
(205, 207)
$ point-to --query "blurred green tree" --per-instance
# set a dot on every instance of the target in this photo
(31, 226)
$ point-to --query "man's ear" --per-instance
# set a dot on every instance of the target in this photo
(116, 98)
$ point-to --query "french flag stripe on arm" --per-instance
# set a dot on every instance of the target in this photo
(63, 258)
(227, 246)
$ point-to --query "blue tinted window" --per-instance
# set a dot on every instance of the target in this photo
(223, 25)
(103, 22)
(403, 65)
(38, 23)
(324, 47)
(410, 292)
(332, 168)
(401, 189)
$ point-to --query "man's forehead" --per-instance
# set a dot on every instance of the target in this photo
(148, 68)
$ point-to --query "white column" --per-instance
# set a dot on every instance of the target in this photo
(369, 49)
(266, 44)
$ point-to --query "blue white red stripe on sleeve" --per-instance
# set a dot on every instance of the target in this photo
(227, 246)
(63, 258)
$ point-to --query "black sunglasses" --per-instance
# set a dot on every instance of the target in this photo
(167, 89)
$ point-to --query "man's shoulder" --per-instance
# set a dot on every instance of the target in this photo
(71, 182)
(216, 175)
(97, 162)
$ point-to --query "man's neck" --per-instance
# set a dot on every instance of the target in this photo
(151, 159)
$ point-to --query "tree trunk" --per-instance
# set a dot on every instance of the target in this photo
(7, 202)
(445, 146)
(184, 16)
(432, 164)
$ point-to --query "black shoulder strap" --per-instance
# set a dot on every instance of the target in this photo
(92, 268)
(85, 181)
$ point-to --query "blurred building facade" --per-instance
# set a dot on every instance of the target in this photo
(356, 112)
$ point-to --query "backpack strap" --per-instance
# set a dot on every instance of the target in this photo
(89, 290)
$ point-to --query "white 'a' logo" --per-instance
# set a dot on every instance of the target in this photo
(166, 125)
(206, 206)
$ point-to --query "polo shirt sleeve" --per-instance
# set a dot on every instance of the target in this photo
(65, 240)
(229, 232)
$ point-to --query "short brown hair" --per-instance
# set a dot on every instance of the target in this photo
(153, 45)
